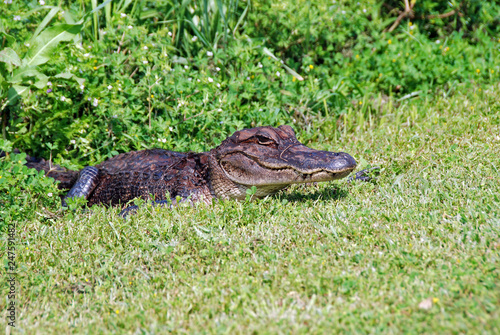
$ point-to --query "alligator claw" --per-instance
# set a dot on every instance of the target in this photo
(365, 175)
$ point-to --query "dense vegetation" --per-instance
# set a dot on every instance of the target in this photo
(190, 73)
(411, 86)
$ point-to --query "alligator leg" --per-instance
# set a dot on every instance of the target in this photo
(85, 184)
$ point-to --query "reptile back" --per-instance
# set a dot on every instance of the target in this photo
(160, 173)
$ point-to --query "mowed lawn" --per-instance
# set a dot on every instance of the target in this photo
(416, 252)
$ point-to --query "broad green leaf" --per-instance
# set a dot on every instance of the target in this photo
(10, 39)
(46, 21)
(42, 80)
(68, 17)
(45, 43)
(22, 73)
(68, 75)
(9, 56)
(14, 93)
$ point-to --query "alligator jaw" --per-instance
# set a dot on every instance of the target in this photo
(322, 176)
(336, 166)
(245, 170)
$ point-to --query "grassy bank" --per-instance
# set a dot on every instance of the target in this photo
(415, 252)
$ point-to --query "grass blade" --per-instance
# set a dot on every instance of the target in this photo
(242, 17)
(107, 11)
(224, 19)
(86, 16)
(287, 68)
(95, 19)
(199, 34)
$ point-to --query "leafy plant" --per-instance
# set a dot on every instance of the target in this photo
(18, 74)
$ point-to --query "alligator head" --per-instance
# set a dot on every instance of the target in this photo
(271, 159)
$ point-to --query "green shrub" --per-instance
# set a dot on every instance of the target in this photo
(346, 39)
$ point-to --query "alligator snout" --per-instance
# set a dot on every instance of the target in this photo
(307, 161)
(342, 162)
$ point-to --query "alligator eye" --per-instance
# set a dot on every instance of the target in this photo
(264, 140)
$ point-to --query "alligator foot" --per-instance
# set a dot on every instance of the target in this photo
(365, 175)
(85, 184)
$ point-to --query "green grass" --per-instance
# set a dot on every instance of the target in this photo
(326, 258)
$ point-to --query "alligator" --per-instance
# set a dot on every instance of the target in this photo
(265, 157)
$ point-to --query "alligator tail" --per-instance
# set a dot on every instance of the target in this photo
(66, 177)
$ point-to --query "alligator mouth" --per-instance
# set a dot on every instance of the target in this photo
(245, 169)
(313, 166)
(322, 175)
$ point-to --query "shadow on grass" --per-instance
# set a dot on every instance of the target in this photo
(303, 194)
